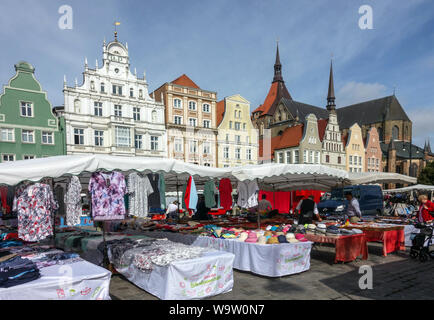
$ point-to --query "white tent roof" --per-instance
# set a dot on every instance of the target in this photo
(270, 176)
(380, 177)
(418, 187)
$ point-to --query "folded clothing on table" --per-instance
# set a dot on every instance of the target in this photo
(16, 271)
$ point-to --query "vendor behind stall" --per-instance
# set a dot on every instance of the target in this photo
(265, 208)
(306, 209)
(353, 208)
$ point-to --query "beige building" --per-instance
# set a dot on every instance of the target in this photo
(374, 156)
(190, 114)
(355, 149)
(237, 139)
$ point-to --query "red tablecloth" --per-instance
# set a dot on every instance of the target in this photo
(393, 240)
(348, 248)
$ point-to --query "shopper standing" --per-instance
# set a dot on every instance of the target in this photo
(306, 209)
(353, 208)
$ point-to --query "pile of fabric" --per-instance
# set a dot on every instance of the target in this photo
(15, 270)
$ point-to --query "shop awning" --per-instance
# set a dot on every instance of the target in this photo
(380, 177)
(417, 187)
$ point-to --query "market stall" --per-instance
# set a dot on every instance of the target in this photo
(379, 177)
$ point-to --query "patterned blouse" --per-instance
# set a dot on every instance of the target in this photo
(107, 192)
(73, 202)
(34, 207)
(140, 188)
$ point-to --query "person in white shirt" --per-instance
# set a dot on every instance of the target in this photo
(172, 210)
(307, 209)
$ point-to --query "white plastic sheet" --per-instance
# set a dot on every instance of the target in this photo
(380, 177)
(77, 281)
(271, 260)
(192, 279)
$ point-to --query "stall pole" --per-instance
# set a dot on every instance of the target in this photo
(259, 214)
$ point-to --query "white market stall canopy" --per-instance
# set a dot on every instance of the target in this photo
(278, 177)
(288, 177)
(417, 187)
(380, 177)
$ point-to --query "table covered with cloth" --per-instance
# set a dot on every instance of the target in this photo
(78, 281)
(270, 260)
(348, 247)
(392, 236)
(200, 277)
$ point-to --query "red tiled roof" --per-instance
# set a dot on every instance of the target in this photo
(277, 91)
(322, 125)
(220, 111)
(185, 81)
(291, 137)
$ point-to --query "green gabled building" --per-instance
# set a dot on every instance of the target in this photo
(28, 127)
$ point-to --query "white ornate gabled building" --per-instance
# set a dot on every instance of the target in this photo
(112, 112)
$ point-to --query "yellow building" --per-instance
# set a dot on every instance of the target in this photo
(355, 149)
(237, 139)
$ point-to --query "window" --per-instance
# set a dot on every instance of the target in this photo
(206, 123)
(117, 90)
(193, 146)
(193, 122)
(118, 110)
(249, 154)
(192, 105)
(206, 108)
(288, 157)
(327, 158)
(138, 141)
(317, 156)
(26, 109)
(244, 126)
(28, 157)
(296, 156)
(131, 93)
(238, 153)
(102, 87)
(154, 116)
(47, 137)
(238, 139)
(305, 155)
(395, 133)
(237, 126)
(97, 109)
(360, 161)
(7, 134)
(206, 148)
(99, 138)
(123, 137)
(136, 114)
(154, 143)
(227, 137)
(8, 157)
(230, 124)
(226, 152)
(28, 136)
(140, 94)
(79, 136)
(351, 160)
(248, 140)
(281, 157)
(339, 160)
(311, 157)
(177, 103)
(178, 120)
(178, 145)
(92, 85)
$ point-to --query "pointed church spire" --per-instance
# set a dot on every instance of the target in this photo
(331, 105)
(278, 67)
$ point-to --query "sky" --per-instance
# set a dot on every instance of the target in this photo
(229, 46)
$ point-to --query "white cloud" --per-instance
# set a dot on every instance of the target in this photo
(356, 92)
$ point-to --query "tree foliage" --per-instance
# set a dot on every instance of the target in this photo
(426, 176)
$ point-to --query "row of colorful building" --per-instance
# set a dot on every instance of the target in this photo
(113, 112)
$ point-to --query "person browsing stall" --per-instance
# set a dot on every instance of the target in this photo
(425, 209)
(265, 208)
(172, 210)
(306, 209)
(353, 208)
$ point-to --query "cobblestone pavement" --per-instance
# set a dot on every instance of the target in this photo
(396, 276)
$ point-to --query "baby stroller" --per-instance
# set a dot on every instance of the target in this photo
(421, 242)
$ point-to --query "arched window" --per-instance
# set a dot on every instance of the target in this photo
(413, 170)
(395, 133)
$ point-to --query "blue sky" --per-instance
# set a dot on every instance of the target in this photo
(229, 46)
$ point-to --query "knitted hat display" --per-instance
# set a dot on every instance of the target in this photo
(268, 233)
(252, 237)
(243, 236)
(262, 240)
(273, 240)
(300, 237)
(290, 236)
(282, 239)
(280, 233)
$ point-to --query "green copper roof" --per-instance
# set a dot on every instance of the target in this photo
(24, 66)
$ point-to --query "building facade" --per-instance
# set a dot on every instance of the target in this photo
(112, 112)
(374, 155)
(237, 139)
(190, 115)
(28, 127)
(355, 149)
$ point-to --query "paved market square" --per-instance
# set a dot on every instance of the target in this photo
(396, 276)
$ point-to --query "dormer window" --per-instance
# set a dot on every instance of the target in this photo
(131, 93)
(102, 87)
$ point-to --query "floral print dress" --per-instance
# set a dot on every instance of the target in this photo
(107, 192)
(73, 202)
(35, 206)
(140, 188)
